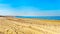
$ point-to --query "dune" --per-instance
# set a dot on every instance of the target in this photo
(11, 25)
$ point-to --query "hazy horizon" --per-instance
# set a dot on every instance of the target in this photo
(30, 7)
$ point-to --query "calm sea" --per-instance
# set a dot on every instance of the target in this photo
(41, 17)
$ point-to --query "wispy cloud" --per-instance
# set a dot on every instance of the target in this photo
(32, 11)
(5, 9)
(29, 7)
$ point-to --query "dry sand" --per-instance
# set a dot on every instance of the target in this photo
(28, 26)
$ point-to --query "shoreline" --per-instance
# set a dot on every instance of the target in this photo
(12, 25)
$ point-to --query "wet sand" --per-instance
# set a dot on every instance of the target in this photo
(11, 25)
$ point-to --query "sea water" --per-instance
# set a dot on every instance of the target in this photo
(41, 17)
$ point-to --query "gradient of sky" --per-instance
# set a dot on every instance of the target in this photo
(30, 7)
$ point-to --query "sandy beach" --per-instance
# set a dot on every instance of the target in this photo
(9, 25)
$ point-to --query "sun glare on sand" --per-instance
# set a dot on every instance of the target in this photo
(10, 25)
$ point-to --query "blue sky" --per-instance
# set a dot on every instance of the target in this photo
(30, 7)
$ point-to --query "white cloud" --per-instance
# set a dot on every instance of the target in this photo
(6, 12)
(31, 11)
(5, 9)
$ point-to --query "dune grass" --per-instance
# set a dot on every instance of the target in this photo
(28, 26)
